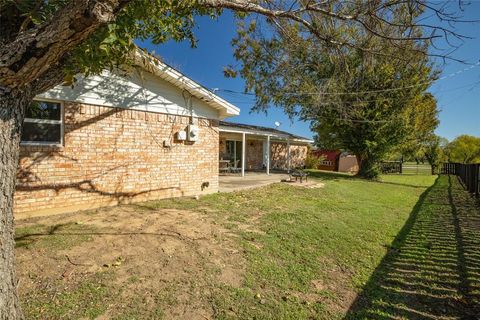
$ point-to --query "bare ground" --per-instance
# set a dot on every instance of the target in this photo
(149, 258)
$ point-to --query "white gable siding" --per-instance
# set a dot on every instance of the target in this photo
(131, 91)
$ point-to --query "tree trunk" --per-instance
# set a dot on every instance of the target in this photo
(368, 168)
(12, 112)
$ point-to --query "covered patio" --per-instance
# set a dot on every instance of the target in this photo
(247, 148)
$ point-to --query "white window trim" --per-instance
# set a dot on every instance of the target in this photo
(61, 122)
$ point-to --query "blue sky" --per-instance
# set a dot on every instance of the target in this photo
(458, 96)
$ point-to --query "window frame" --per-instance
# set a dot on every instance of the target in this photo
(328, 163)
(61, 122)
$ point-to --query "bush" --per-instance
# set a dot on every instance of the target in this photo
(312, 161)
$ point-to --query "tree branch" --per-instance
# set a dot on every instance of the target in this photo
(34, 51)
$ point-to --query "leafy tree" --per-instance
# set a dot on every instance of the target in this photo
(464, 149)
(356, 100)
(421, 118)
(432, 151)
(45, 43)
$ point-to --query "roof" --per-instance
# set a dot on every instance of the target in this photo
(260, 130)
(330, 155)
(175, 77)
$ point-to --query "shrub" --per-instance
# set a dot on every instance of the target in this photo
(312, 161)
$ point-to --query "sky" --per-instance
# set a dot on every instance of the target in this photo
(458, 95)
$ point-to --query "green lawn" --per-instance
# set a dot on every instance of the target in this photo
(405, 247)
(314, 248)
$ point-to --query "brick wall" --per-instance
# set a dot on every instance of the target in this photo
(222, 146)
(254, 151)
(113, 155)
(279, 151)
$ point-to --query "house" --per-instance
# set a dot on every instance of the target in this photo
(336, 160)
(328, 159)
(147, 132)
(265, 149)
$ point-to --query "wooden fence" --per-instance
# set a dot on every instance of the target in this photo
(417, 168)
(391, 167)
(469, 174)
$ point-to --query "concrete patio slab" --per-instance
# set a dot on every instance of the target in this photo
(229, 183)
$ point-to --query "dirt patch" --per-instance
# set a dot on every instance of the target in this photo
(314, 185)
(340, 296)
(162, 262)
(334, 290)
(305, 184)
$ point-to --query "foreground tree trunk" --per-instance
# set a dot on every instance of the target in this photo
(31, 62)
(368, 167)
(12, 112)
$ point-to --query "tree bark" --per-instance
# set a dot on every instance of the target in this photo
(36, 50)
(12, 113)
(367, 168)
(29, 64)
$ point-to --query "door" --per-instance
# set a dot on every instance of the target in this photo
(234, 153)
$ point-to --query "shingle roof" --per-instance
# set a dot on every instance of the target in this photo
(242, 127)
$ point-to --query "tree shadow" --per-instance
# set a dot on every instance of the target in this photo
(432, 269)
(70, 230)
(330, 175)
(418, 186)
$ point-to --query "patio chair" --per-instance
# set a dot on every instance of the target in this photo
(235, 168)
(298, 173)
(224, 167)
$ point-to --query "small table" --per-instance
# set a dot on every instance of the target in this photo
(223, 165)
(299, 174)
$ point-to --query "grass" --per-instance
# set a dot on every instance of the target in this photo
(85, 300)
(399, 243)
(335, 235)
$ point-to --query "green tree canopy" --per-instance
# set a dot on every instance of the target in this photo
(463, 149)
(421, 119)
(355, 98)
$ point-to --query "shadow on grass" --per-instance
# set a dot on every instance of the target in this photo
(329, 175)
(403, 184)
(432, 270)
(48, 236)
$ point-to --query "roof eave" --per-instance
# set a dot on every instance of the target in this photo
(263, 133)
(176, 78)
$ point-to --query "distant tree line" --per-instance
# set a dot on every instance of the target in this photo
(435, 150)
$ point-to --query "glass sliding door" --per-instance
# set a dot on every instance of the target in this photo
(234, 153)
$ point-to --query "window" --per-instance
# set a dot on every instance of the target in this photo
(326, 163)
(234, 152)
(43, 123)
